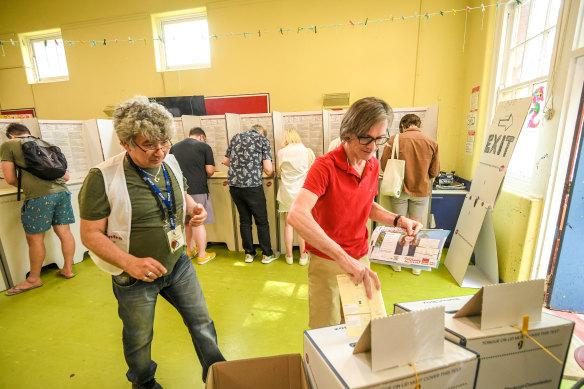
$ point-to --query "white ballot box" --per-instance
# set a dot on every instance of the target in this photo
(450, 304)
(331, 363)
(507, 360)
(489, 323)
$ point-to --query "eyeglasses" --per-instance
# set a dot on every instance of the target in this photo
(365, 140)
(165, 146)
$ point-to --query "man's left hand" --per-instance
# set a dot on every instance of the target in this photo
(412, 227)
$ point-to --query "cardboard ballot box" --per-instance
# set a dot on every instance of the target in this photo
(489, 324)
(331, 363)
(450, 304)
(277, 372)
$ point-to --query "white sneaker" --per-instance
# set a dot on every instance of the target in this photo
(249, 258)
(416, 272)
(303, 261)
(289, 260)
(396, 267)
(269, 258)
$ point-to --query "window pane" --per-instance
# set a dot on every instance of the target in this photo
(537, 18)
(515, 65)
(554, 10)
(187, 43)
(522, 21)
(531, 59)
(50, 58)
(507, 96)
(546, 57)
(521, 92)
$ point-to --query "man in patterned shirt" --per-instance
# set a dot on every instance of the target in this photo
(247, 155)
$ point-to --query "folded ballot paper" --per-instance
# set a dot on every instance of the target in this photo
(357, 307)
(392, 246)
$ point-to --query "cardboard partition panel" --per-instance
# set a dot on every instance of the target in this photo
(485, 187)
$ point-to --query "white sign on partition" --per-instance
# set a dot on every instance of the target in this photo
(308, 125)
(215, 129)
(418, 335)
(70, 137)
(474, 231)
(503, 305)
(263, 119)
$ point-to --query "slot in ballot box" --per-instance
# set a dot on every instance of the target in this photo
(485, 324)
(334, 360)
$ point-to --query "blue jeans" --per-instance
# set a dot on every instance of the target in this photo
(136, 302)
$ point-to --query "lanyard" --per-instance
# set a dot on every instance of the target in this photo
(166, 200)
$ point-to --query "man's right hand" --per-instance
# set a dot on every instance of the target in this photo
(360, 273)
(144, 269)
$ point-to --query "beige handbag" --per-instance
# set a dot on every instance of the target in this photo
(393, 175)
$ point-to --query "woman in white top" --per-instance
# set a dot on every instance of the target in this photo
(294, 159)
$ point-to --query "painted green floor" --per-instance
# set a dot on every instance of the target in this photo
(67, 334)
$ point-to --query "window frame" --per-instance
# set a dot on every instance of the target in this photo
(505, 35)
(159, 21)
(30, 56)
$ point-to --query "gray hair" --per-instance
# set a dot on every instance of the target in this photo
(259, 129)
(364, 114)
(139, 116)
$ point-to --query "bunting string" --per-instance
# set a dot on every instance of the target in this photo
(314, 29)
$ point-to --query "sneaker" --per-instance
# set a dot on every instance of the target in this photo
(249, 258)
(303, 261)
(152, 384)
(191, 254)
(206, 258)
(289, 260)
(396, 267)
(416, 272)
(269, 258)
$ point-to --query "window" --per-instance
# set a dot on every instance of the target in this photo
(44, 56)
(528, 43)
(183, 40)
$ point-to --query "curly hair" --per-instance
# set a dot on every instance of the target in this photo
(139, 116)
(364, 114)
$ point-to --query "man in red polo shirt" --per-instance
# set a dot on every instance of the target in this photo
(333, 206)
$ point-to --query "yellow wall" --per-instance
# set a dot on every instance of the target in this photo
(516, 219)
(416, 62)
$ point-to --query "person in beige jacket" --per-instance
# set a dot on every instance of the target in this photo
(422, 164)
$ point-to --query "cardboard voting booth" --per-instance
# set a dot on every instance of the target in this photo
(490, 322)
(276, 372)
(397, 351)
(474, 230)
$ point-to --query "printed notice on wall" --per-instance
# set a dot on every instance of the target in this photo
(471, 126)
(474, 99)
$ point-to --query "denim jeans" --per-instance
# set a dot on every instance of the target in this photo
(136, 302)
(252, 202)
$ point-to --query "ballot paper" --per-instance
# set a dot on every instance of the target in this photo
(357, 307)
(392, 246)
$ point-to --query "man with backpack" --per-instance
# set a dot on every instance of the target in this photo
(47, 201)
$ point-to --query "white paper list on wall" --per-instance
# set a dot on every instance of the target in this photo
(179, 133)
(263, 119)
(69, 136)
(216, 133)
(309, 126)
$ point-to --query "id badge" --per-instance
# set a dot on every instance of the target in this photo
(175, 239)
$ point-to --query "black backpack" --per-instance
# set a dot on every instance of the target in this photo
(42, 160)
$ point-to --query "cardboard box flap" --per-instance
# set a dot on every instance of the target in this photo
(276, 372)
(505, 304)
(404, 338)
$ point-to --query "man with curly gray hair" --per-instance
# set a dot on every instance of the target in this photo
(132, 210)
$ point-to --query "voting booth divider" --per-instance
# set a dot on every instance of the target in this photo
(86, 143)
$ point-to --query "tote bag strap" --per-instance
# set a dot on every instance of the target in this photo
(395, 148)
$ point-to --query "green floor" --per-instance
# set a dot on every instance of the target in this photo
(67, 334)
